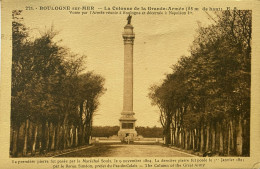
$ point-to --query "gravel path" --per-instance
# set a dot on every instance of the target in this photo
(124, 150)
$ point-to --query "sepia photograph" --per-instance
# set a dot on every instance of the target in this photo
(121, 85)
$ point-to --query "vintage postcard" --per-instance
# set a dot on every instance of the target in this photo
(130, 84)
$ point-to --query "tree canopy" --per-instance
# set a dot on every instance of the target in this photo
(54, 97)
(210, 87)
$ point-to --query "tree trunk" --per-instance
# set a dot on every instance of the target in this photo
(186, 139)
(230, 138)
(53, 137)
(47, 136)
(198, 139)
(43, 139)
(57, 137)
(25, 137)
(64, 139)
(76, 137)
(202, 139)
(178, 137)
(30, 137)
(213, 131)
(11, 139)
(175, 129)
(71, 136)
(83, 135)
(217, 137)
(80, 133)
(193, 138)
(65, 132)
(171, 137)
(15, 141)
(34, 140)
(208, 141)
(168, 130)
(181, 139)
(190, 139)
(239, 137)
(57, 146)
(80, 129)
(225, 137)
(246, 137)
(221, 142)
(174, 136)
(235, 122)
(88, 134)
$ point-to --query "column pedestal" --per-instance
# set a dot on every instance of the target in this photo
(127, 129)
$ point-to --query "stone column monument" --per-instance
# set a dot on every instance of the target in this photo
(127, 130)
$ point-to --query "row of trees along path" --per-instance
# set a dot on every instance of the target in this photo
(205, 102)
(53, 97)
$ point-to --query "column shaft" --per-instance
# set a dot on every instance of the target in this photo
(128, 78)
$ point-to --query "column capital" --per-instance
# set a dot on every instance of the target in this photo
(128, 38)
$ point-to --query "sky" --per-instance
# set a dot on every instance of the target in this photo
(159, 42)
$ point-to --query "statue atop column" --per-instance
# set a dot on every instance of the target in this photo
(129, 19)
